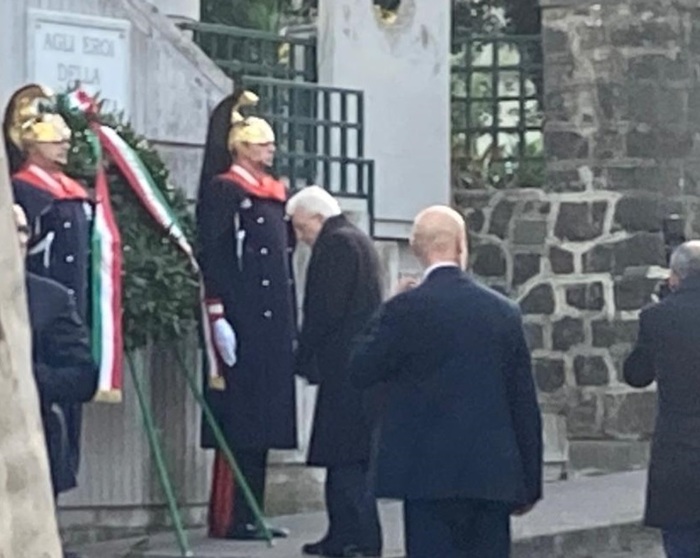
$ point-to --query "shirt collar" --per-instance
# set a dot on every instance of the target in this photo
(437, 265)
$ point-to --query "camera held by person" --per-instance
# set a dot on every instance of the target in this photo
(674, 236)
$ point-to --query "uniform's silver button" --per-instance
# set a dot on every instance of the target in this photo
(265, 282)
(70, 259)
(67, 225)
(290, 250)
(260, 220)
(264, 251)
(268, 314)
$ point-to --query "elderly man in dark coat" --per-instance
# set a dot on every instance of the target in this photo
(461, 438)
(668, 352)
(342, 292)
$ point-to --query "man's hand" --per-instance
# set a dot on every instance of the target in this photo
(405, 284)
(225, 341)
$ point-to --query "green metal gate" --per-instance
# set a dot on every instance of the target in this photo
(497, 120)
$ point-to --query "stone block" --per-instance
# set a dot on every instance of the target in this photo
(652, 105)
(633, 293)
(529, 232)
(586, 296)
(472, 199)
(659, 143)
(580, 221)
(591, 371)
(567, 333)
(643, 212)
(635, 33)
(566, 145)
(562, 261)
(536, 208)
(629, 415)
(534, 335)
(500, 218)
(608, 456)
(489, 261)
(539, 300)
(647, 66)
(475, 220)
(612, 102)
(641, 249)
(663, 179)
(584, 415)
(554, 40)
(525, 267)
(607, 333)
(608, 145)
(563, 181)
(549, 374)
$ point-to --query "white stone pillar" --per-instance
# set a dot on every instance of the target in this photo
(403, 68)
(180, 10)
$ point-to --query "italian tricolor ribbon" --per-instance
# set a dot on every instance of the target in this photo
(141, 182)
(106, 287)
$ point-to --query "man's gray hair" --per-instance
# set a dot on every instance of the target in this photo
(685, 260)
(315, 201)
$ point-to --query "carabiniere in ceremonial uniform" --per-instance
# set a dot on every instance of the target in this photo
(245, 248)
(59, 211)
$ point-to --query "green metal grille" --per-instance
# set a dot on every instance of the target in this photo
(320, 134)
(248, 52)
(497, 120)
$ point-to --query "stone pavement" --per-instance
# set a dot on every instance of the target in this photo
(594, 517)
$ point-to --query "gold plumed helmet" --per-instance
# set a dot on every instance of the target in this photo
(31, 117)
(249, 129)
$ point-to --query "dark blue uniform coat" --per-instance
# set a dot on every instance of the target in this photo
(461, 417)
(245, 255)
(62, 227)
(63, 368)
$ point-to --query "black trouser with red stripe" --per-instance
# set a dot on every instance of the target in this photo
(228, 507)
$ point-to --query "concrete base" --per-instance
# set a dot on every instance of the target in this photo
(591, 517)
(596, 457)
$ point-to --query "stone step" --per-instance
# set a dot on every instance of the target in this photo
(595, 517)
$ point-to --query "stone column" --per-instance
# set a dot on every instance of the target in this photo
(621, 140)
(27, 521)
(179, 10)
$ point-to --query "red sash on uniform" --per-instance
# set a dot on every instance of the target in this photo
(57, 184)
(263, 187)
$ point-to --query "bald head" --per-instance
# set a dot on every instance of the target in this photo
(439, 235)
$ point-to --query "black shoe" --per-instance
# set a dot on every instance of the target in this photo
(313, 549)
(250, 532)
(321, 548)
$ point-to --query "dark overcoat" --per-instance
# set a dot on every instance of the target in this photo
(668, 352)
(245, 254)
(61, 234)
(342, 292)
(461, 417)
(64, 370)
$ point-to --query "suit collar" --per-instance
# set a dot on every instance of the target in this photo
(444, 272)
(333, 224)
(690, 284)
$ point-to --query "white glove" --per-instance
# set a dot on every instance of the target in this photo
(225, 341)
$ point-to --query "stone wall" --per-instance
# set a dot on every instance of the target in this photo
(583, 253)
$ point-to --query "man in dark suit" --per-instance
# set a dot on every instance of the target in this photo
(64, 369)
(343, 290)
(668, 351)
(461, 439)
